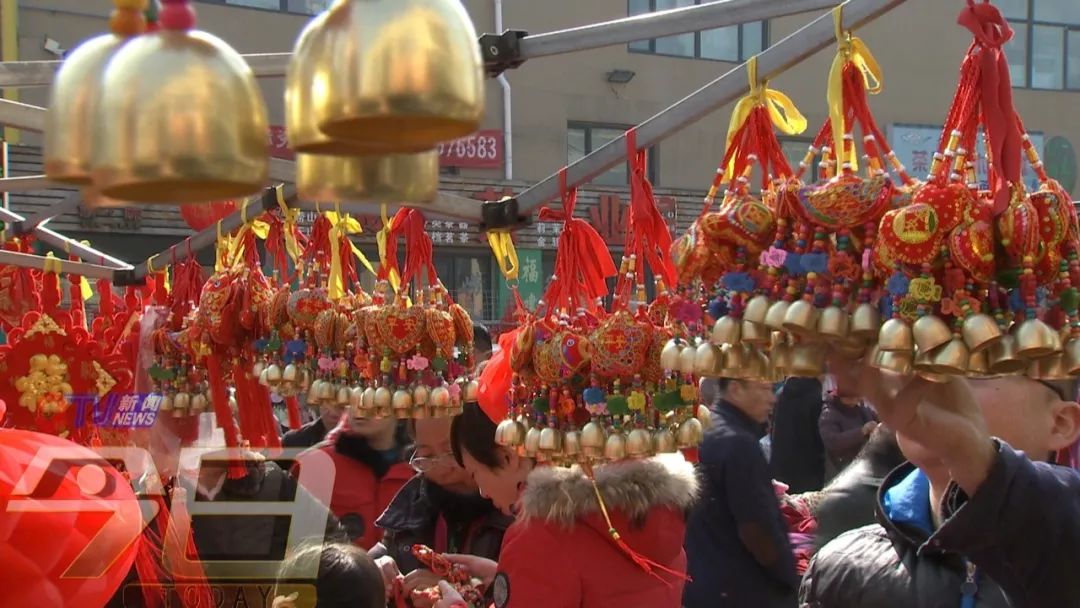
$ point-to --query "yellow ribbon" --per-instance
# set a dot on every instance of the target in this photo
(335, 285)
(381, 238)
(782, 111)
(854, 50)
(502, 245)
(291, 218)
(238, 242)
(150, 270)
(223, 247)
(84, 285)
(52, 264)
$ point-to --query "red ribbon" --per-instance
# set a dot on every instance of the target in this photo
(582, 260)
(991, 32)
(647, 233)
(419, 253)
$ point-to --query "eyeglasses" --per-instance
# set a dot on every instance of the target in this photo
(1057, 389)
(422, 464)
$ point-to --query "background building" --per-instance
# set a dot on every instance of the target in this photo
(566, 106)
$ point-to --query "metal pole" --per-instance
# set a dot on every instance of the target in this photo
(64, 243)
(44, 214)
(22, 115)
(800, 45)
(23, 183)
(620, 31)
(27, 260)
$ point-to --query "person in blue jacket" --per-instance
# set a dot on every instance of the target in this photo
(977, 518)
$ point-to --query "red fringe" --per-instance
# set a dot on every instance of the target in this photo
(224, 414)
(292, 404)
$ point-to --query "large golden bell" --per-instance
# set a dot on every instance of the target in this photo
(726, 330)
(801, 318)
(307, 88)
(1034, 339)
(895, 335)
(865, 322)
(403, 73)
(807, 361)
(1003, 357)
(73, 98)
(951, 359)
(1072, 357)
(930, 332)
(407, 178)
(833, 323)
(708, 359)
(757, 309)
(755, 333)
(180, 120)
(980, 332)
(774, 318)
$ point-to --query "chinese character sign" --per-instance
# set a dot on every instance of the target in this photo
(531, 281)
(278, 142)
(915, 147)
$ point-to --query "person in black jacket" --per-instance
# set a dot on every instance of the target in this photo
(440, 507)
(977, 523)
(737, 548)
(798, 455)
(316, 430)
(848, 501)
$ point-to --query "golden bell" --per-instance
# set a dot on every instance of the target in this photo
(687, 358)
(669, 355)
(1048, 368)
(865, 322)
(807, 360)
(402, 72)
(593, 440)
(69, 123)
(896, 335)
(774, 317)
(367, 404)
(1034, 339)
(930, 332)
(1003, 357)
(1072, 357)
(780, 357)
(704, 416)
(664, 441)
(440, 398)
(407, 178)
(615, 446)
(166, 402)
(755, 333)
(801, 318)
(726, 330)
(180, 120)
(735, 359)
(472, 389)
(262, 375)
(707, 358)
(979, 364)
(532, 442)
(690, 433)
(315, 392)
(895, 361)
(273, 374)
(343, 395)
(421, 394)
(199, 403)
(572, 445)
(639, 444)
(307, 84)
(951, 359)
(872, 356)
(550, 440)
(833, 323)
(383, 400)
(290, 373)
(980, 332)
(356, 397)
(402, 404)
(757, 309)
(758, 368)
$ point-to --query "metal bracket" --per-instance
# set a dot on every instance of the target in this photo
(502, 216)
(501, 52)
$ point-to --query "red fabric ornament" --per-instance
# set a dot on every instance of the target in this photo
(205, 215)
(496, 379)
(88, 553)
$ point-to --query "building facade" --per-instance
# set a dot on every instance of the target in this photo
(566, 106)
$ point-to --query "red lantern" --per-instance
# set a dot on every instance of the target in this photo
(204, 215)
(71, 524)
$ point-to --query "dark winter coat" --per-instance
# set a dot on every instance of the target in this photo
(841, 429)
(423, 513)
(559, 553)
(737, 491)
(305, 436)
(798, 454)
(1015, 544)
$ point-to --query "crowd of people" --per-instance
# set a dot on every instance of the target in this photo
(866, 490)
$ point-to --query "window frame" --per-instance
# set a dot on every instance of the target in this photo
(697, 39)
(1029, 23)
(653, 170)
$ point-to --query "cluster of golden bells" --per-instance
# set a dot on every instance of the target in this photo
(176, 116)
(600, 440)
(774, 340)
(184, 403)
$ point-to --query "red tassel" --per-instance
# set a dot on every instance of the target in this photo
(292, 404)
(161, 295)
(224, 414)
(50, 292)
(188, 575)
(645, 563)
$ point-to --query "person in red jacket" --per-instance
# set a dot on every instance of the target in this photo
(560, 552)
(367, 459)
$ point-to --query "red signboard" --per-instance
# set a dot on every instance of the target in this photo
(481, 150)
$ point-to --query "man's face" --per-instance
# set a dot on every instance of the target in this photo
(433, 449)
(331, 414)
(755, 399)
(370, 428)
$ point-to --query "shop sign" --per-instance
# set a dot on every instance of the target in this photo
(481, 150)
(915, 146)
(278, 141)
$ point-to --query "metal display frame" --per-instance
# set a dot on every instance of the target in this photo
(503, 51)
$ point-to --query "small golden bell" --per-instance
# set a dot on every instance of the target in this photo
(572, 446)
(639, 443)
(807, 360)
(980, 332)
(687, 357)
(951, 359)
(510, 433)
(757, 309)
(930, 332)
(615, 446)
(664, 441)
(402, 404)
(1034, 339)
(774, 317)
(833, 323)
(726, 330)
(895, 361)
(896, 335)
(669, 355)
(690, 433)
(593, 440)
(865, 322)
(707, 358)
(1072, 357)
(1003, 357)
(754, 333)
(801, 319)
(532, 442)
(550, 441)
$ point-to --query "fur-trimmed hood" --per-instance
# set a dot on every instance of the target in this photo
(632, 487)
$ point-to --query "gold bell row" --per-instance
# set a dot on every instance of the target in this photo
(177, 116)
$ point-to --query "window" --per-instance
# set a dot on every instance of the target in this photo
(583, 138)
(795, 151)
(302, 7)
(468, 278)
(735, 43)
(1045, 50)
